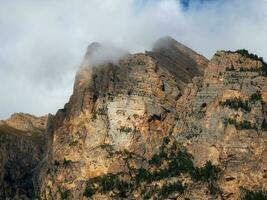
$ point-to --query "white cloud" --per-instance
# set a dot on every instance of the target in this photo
(43, 42)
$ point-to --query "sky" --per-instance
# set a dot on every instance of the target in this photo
(42, 43)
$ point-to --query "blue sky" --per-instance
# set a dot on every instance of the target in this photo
(186, 3)
(43, 42)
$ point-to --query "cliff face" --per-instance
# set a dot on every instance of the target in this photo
(223, 119)
(22, 146)
(129, 107)
(165, 124)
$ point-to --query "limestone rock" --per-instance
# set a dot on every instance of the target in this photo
(165, 124)
(129, 106)
(151, 114)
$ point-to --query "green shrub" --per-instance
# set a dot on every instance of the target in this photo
(255, 97)
(130, 92)
(56, 163)
(252, 69)
(88, 192)
(264, 125)
(236, 104)
(66, 162)
(125, 129)
(264, 69)
(230, 68)
(255, 195)
(106, 183)
(157, 159)
(149, 192)
(155, 117)
(214, 189)
(170, 188)
(65, 194)
(244, 52)
(171, 161)
(206, 173)
(101, 111)
(246, 125)
(242, 124)
(143, 175)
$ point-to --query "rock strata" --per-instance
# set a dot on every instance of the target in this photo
(165, 124)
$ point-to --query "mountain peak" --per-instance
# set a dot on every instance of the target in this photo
(165, 42)
(147, 126)
(92, 48)
(182, 61)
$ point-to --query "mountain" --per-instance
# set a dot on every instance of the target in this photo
(181, 61)
(164, 124)
(22, 139)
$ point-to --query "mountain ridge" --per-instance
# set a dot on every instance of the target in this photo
(144, 127)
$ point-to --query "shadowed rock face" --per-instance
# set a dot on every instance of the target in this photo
(181, 61)
(22, 142)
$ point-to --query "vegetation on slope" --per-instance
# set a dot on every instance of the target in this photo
(254, 195)
(171, 162)
(245, 53)
(236, 104)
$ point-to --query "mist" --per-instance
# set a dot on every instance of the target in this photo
(44, 42)
(98, 54)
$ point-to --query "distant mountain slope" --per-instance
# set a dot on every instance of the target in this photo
(22, 139)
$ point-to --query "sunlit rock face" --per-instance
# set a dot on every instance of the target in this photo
(165, 124)
(224, 120)
(129, 105)
(22, 139)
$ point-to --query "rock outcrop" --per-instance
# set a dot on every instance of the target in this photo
(22, 139)
(224, 121)
(129, 107)
(165, 124)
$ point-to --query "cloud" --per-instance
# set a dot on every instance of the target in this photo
(43, 42)
(98, 54)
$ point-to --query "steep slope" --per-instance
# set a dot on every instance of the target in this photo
(144, 127)
(181, 61)
(223, 119)
(128, 105)
(22, 146)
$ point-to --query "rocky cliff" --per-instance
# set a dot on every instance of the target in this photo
(128, 107)
(22, 139)
(159, 125)
(224, 121)
(165, 124)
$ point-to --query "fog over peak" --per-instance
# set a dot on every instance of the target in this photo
(98, 54)
(43, 42)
